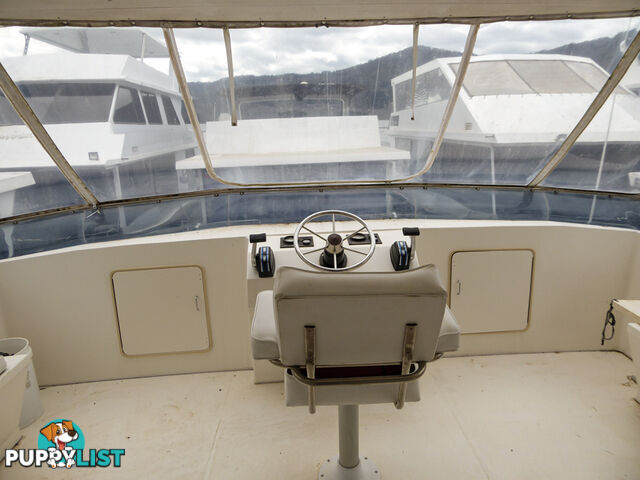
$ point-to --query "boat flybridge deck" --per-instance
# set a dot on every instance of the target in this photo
(424, 214)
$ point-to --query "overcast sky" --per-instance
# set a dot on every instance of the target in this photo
(304, 50)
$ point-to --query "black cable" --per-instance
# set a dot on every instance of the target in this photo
(609, 319)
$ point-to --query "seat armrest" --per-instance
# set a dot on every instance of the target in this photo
(449, 337)
(264, 337)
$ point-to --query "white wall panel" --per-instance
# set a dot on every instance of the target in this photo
(578, 270)
(620, 340)
(3, 326)
(62, 300)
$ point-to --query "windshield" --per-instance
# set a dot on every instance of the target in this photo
(516, 109)
(312, 105)
(283, 107)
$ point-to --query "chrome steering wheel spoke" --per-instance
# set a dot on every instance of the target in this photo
(314, 233)
(308, 252)
(354, 233)
(353, 250)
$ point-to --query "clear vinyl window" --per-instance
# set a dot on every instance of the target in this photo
(606, 156)
(133, 152)
(312, 104)
(315, 105)
(8, 115)
(527, 85)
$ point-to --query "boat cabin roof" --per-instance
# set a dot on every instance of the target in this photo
(133, 42)
(445, 63)
(89, 68)
(92, 55)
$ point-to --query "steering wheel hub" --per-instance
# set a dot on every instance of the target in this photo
(334, 239)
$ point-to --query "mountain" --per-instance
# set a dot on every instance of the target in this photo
(605, 51)
(367, 85)
(365, 88)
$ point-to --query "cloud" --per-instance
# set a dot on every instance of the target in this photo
(12, 43)
(528, 37)
(275, 51)
(304, 50)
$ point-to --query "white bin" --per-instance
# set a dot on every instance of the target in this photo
(634, 342)
(12, 390)
(32, 405)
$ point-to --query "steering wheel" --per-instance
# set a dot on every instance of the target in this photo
(333, 243)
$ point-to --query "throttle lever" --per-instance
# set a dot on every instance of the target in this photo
(402, 254)
(263, 258)
(412, 233)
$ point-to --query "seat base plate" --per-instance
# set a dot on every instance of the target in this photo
(332, 470)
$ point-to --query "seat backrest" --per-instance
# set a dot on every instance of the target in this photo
(359, 318)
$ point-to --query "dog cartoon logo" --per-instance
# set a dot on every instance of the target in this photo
(66, 439)
(61, 443)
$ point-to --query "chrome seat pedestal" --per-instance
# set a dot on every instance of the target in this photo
(348, 465)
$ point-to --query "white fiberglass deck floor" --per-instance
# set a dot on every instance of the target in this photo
(536, 416)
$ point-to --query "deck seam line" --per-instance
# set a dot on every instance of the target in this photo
(484, 468)
(209, 466)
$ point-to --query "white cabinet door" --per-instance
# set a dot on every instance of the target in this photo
(490, 290)
(161, 310)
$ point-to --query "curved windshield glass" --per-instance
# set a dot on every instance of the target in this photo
(312, 104)
(30, 181)
(108, 99)
(527, 86)
(315, 105)
(187, 214)
(606, 156)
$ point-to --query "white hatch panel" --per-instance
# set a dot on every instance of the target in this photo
(161, 310)
(490, 290)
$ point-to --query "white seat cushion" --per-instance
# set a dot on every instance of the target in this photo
(360, 317)
(449, 337)
(264, 339)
